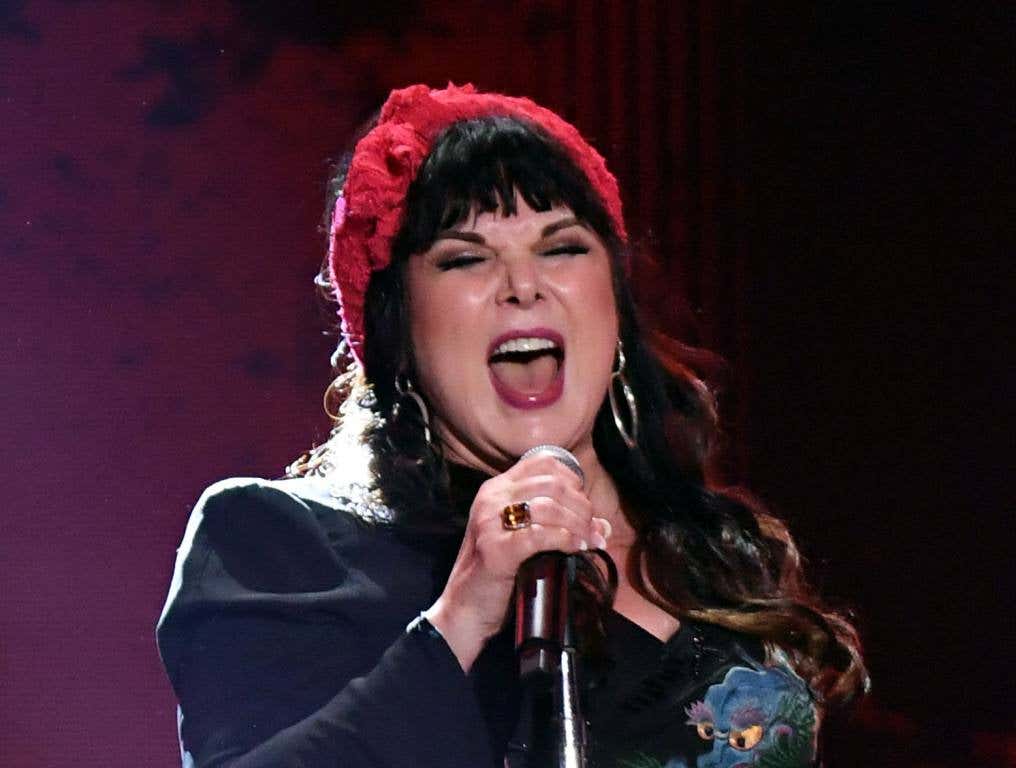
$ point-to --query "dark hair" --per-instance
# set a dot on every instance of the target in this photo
(701, 552)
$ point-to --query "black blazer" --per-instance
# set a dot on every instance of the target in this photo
(284, 638)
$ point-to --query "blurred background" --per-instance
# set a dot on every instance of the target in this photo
(820, 195)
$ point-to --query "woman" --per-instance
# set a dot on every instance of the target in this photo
(477, 249)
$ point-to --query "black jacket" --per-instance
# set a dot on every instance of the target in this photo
(284, 638)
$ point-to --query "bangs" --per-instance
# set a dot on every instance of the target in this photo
(483, 165)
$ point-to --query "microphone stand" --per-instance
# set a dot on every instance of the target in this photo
(547, 651)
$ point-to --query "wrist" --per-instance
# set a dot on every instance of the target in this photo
(464, 637)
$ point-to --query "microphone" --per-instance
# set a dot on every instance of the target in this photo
(565, 457)
(542, 612)
(547, 655)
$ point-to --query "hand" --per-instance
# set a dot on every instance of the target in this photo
(473, 605)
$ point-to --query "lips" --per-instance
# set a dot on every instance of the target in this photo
(526, 367)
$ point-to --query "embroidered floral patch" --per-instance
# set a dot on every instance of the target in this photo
(753, 719)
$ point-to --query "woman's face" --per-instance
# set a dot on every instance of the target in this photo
(514, 328)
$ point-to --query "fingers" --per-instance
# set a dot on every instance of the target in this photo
(543, 538)
(567, 507)
(579, 521)
(604, 528)
(505, 550)
(544, 477)
(560, 512)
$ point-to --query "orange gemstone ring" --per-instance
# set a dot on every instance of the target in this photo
(516, 516)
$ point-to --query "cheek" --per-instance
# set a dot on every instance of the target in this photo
(432, 361)
(424, 301)
(602, 316)
(443, 339)
(425, 325)
(432, 335)
(601, 286)
(444, 320)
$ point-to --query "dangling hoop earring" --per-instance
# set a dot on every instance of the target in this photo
(631, 438)
(332, 389)
(404, 387)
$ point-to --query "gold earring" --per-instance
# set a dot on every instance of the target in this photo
(629, 435)
(404, 387)
(330, 391)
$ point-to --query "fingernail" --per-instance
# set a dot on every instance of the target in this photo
(584, 545)
(605, 527)
(599, 542)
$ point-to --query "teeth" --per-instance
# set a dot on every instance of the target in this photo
(526, 344)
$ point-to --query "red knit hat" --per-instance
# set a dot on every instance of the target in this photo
(368, 213)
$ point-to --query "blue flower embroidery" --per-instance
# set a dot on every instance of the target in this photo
(762, 719)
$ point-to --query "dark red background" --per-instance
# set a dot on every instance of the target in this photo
(823, 183)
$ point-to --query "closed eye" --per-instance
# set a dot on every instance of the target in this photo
(458, 262)
(567, 250)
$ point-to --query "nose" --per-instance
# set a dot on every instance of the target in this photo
(521, 282)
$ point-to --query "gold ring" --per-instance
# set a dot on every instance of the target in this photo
(516, 516)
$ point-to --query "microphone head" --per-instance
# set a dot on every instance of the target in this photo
(565, 457)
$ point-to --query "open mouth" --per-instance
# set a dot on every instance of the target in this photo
(526, 370)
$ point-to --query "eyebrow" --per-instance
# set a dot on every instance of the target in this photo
(570, 221)
(474, 237)
(458, 234)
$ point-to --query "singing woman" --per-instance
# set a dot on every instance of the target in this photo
(357, 612)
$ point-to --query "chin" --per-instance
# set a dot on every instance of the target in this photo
(546, 434)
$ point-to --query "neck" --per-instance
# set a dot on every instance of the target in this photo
(603, 493)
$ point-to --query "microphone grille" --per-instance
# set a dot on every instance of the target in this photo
(565, 457)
